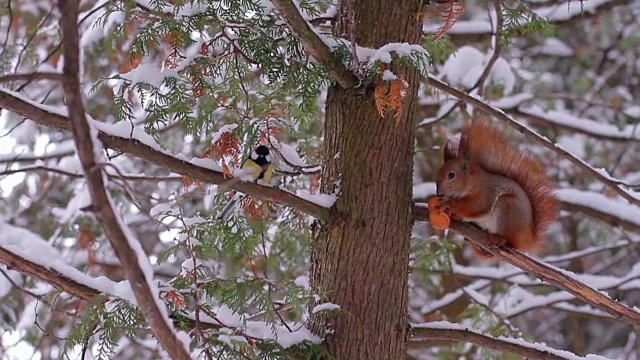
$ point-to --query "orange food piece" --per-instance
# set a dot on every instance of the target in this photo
(438, 219)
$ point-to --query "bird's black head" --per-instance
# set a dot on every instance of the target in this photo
(262, 150)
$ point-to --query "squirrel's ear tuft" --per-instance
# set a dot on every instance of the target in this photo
(450, 150)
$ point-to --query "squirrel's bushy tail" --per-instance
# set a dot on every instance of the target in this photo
(490, 148)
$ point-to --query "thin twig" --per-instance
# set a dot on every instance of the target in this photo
(496, 51)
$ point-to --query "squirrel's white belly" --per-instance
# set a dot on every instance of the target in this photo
(488, 222)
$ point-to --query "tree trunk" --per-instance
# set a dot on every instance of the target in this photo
(360, 258)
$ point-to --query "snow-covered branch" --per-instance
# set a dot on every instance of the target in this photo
(576, 124)
(24, 251)
(128, 249)
(599, 206)
(60, 152)
(483, 277)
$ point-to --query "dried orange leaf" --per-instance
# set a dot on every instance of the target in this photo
(450, 11)
(176, 299)
(380, 96)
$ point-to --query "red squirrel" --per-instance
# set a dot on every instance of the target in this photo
(486, 181)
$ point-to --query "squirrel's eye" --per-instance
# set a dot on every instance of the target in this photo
(451, 175)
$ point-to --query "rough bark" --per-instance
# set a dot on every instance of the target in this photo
(360, 256)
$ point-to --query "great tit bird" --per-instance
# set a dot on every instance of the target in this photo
(258, 165)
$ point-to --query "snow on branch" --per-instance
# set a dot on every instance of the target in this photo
(446, 331)
(313, 44)
(560, 278)
(480, 104)
(600, 206)
(128, 249)
(573, 123)
(22, 250)
(51, 117)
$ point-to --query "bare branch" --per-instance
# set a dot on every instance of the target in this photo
(101, 202)
(313, 44)
(545, 272)
(497, 38)
(491, 110)
(18, 158)
(31, 77)
(78, 175)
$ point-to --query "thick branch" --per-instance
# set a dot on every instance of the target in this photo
(313, 44)
(421, 334)
(140, 150)
(101, 203)
(544, 272)
(491, 110)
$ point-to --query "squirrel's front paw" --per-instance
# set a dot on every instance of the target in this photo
(440, 203)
